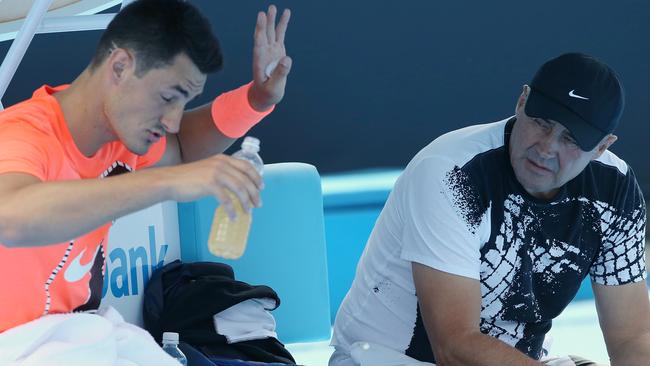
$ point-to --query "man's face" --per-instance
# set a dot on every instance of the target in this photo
(544, 154)
(141, 110)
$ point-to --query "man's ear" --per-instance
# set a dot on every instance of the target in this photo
(120, 64)
(604, 145)
(521, 101)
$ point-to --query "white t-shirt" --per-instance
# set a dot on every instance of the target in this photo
(458, 208)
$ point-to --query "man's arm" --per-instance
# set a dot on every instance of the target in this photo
(198, 137)
(624, 315)
(34, 213)
(450, 307)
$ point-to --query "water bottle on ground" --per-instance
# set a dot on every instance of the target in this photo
(228, 237)
(170, 345)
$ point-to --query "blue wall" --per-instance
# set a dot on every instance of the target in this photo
(374, 81)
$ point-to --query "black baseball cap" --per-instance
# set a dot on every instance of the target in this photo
(581, 93)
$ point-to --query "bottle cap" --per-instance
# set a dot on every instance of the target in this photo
(251, 143)
(170, 337)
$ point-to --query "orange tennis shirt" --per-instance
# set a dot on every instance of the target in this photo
(35, 281)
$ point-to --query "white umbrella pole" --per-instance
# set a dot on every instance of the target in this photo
(20, 44)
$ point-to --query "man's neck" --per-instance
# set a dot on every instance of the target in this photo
(83, 109)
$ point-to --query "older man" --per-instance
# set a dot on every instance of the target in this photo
(491, 229)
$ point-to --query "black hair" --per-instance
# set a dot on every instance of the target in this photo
(156, 31)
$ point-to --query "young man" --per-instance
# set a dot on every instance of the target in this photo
(63, 152)
(490, 230)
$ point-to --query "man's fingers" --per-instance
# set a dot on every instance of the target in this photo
(282, 26)
(247, 192)
(270, 23)
(261, 39)
(283, 68)
(241, 189)
(226, 202)
(268, 70)
(247, 168)
(244, 181)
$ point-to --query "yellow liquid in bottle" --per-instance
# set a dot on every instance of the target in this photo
(228, 237)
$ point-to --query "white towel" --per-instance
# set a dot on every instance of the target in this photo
(99, 339)
(247, 320)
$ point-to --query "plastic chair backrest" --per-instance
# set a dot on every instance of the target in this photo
(286, 248)
(352, 202)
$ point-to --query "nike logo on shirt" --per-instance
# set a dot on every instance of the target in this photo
(76, 270)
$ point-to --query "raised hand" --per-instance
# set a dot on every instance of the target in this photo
(271, 65)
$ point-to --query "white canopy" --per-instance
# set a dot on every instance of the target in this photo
(14, 12)
(21, 19)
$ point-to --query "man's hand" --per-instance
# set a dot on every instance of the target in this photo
(268, 50)
(450, 306)
(216, 176)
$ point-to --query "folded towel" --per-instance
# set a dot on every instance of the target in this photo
(99, 338)
(248, 320)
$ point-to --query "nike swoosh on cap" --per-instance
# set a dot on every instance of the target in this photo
(574, 95)
(76, 270)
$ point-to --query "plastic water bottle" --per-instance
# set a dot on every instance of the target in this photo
(228, 237)
(170, 345)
